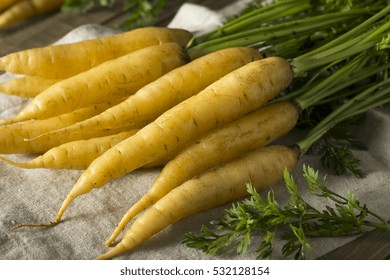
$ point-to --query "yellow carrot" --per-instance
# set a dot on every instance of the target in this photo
(12, 137)
(228, 142)
(7, 3)
(116, 78)
(27, 9)
(63, 61)
(27, 86)
(236, 94)
(262, 168)
(74, 155)
(164, 93)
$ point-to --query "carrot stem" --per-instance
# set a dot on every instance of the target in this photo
(284, 29)
(256, 18)
(376, 95)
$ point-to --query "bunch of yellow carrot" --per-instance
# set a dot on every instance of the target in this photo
(14, 11)
(140, 109)
(138, 100)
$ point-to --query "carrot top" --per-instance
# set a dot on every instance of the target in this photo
(298, 220)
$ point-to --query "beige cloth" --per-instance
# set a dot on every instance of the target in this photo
(36, 195)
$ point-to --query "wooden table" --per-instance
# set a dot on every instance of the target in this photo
(47, 29)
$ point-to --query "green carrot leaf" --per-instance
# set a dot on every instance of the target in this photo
(261, 220)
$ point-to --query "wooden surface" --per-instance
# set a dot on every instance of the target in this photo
(47, 29)
(373, 246)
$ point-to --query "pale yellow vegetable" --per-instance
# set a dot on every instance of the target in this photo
(156, 97)
(262, 168)
(234, 95)
(13, 137)
(26, 86)
(27, 9)
(219, 146)
(74, 155)
(63, 61)
(7, 3)
(113, 79)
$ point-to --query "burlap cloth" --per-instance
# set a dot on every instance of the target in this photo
(35, 195)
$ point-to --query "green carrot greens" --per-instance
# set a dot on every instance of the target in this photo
(139, 13)
(297, 221)
(299, 19)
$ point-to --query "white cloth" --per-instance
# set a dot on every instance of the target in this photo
(36, 195)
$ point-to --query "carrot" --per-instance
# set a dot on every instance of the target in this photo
(75, 154)
(230, 141)
(12, 137)
(164, 93)
(262, 168)
(27, 86)
(116, 78)
(205, 153)
(27, 9)
(63, 61)
(236, 94)
(7, 3)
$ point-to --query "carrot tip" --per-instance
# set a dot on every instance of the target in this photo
(117, 250)
(10, 162)
(108, 243)
(6, 160)
(51, 224)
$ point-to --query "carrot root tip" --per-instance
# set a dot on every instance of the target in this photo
(108, 242)
(51, 224)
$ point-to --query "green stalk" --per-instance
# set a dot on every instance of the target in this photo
(376, 95)
(262, 15)
(351, 73)
(282, 30)
(287, 28)
(338, 53)
(216, 33)
(344, 94)
(364, 36)
(326, 88)
(350, 34)
(351, 50)
(289, 48)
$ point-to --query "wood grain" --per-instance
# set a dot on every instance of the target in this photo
(372, 246)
